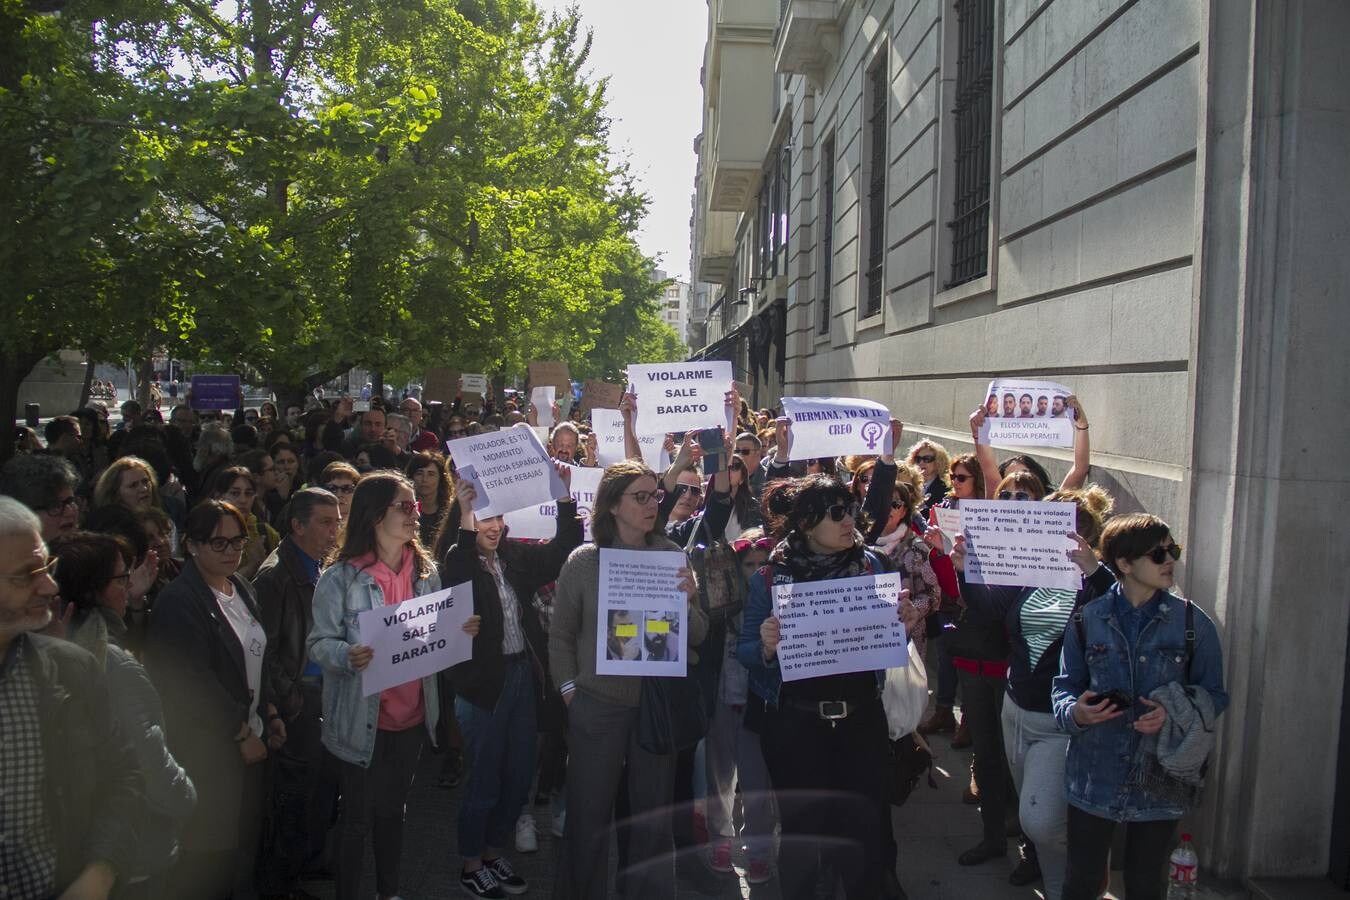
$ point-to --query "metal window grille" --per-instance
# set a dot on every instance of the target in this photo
(973, 114)
(876, 189)
(826, 234)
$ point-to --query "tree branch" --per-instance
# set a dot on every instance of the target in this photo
(207, 17)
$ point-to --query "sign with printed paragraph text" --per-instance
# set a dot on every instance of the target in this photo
(1020, 542)
(680, 397)
(474, 384)
(509, 470)
(839, 625)
(641, 622)
(607, 425)
(1019, 412)
(416, 638)
(215, 392)
(836, 426)
(441, 384)
(600, 395)
(540, 522)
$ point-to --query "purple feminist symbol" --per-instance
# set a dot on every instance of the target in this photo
(871, 433)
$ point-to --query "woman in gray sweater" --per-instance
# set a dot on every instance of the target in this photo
(603, 709)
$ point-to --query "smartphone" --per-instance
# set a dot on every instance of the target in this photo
(1119, 699)
(710, 440)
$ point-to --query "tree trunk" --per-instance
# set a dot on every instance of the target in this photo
(89, 366)
(289, 392)
(377, 384)
(14, 368)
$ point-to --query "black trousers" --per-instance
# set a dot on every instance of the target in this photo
(830, 782)
(374, 798)
(982, 707)
(302, 802)
(1147, 848)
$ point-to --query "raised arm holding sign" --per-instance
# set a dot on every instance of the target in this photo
(509, 470)
(836, 426)
(679, 397)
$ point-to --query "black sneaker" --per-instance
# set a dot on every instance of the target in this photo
(507, 879)
(482, 883)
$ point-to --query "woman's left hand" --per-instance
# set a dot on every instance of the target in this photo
(909, 613)
(935, 538)
(472, 624)
(1152, 721)
(142, 577)
(1081, 555)
(687, 584)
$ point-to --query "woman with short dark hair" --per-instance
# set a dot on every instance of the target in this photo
(237, 486)
(431, 482)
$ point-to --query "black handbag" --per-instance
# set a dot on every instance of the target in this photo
(671, 715)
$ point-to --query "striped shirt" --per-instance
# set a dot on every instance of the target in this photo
(513, 638)
(1044, 615)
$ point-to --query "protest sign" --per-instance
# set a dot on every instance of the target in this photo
(1027, 413)
(474, 384)
(509, 470)
(416, 638)
(680, 397)
(949, 520)
(440, 384)
(607, 425)
(542, 398)
(836, 426)
(600, 395)
(215, 392)
(540, 522)
(1020, 542)
(551, 373)
(839, 625)
(641, 622)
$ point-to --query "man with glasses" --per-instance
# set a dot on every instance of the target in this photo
(67, 815)
(46, 485)
(751, 451)
(421, 439)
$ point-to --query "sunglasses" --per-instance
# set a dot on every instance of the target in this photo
(1013, 495)
(839, 511)
(340, 488)
(220, 544)
(656, 496)
(925, 458)
(682, 489)
(1159, 555)
(408, 507)
(961, 477)
(898, 504)
(742, 545)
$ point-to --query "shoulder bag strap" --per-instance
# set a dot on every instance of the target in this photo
(1190, 637)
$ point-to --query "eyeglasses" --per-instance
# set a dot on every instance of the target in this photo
(221, 544)
(1159, 555)
(125, 578)
(33, 576)
(339, 488)
(925, 458)
(742, 545)
(961, 477)
(839, 511)
(408, 507)
(656, 496)
(60, 506)
(746, 451)
(1013, 495)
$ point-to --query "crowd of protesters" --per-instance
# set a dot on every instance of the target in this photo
(180, 661)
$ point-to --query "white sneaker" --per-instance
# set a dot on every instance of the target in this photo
(527, 837)
(558, 822)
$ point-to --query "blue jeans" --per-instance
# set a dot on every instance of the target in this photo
(499, 746)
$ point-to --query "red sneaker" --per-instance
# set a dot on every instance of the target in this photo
(719, 860)
(758, 872)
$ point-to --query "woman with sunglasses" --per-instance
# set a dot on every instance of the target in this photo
(933, 463)
(603, 709)
(823, 734)
(377, 739)
(208, 654)
(1136, 640)
(499, 692)
(340, 478)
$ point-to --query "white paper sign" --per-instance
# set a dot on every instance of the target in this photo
(680, 397)
(642, 625)
(607, 424)
(509, 470)
(540, 523)
(836, 426)
(949, 520)
(1020, 542)
(416, 638)
(840, 625)
(542, 398)
(1027, 413)
(474, 384)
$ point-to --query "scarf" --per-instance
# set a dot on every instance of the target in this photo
(794, 554)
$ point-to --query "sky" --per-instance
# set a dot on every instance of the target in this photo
(651, 50)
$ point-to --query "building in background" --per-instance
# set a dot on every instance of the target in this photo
(1143, 199)
(674, 302)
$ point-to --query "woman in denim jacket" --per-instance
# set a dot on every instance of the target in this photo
(377, 739)
(1132, 639)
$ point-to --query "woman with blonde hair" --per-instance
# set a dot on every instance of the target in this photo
(934, 464)
(130, 482)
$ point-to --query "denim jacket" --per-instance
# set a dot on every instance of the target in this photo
(1101, 756)
(766, 679)
(349, 719)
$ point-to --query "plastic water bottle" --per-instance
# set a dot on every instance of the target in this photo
(1183, 872)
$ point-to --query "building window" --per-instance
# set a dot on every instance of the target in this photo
(973, 118)
(876, 184)
(826, 234)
